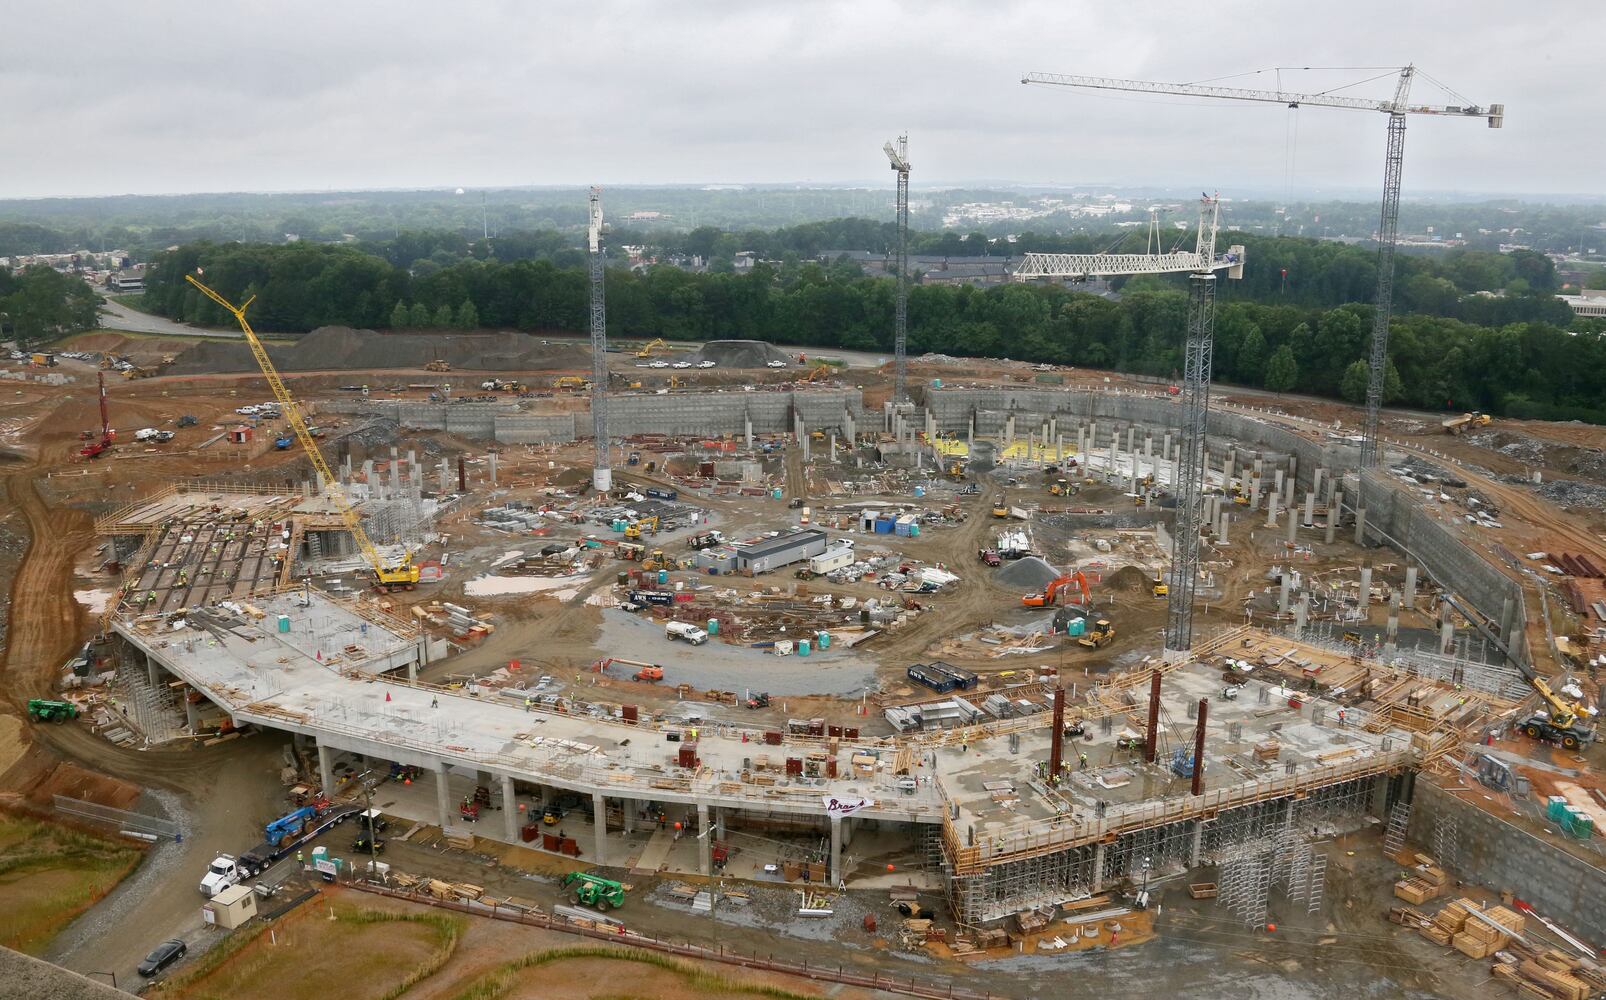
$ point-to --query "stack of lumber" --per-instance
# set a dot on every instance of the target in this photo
(1416, 891)
(1553, 974)
(1473, 931)
(1448, 922)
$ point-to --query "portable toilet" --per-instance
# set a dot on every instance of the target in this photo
(822, 638)
(284, 623)
(663, 577)
(713, 626)
(802, 647)
(775, 494)
(914, 530)
(1076, 627)
(920, 491)
(936, 383)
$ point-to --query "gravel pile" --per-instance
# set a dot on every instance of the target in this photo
(740, 354)
(1571, 493)
(1030, 573)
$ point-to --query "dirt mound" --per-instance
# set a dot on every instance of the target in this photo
(75, 782)
(1128, 579)
(739, 354)
(1031, 573)
(342, 348)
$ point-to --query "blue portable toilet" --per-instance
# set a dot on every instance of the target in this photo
(713, 626)
(920, 491)
(823, 639)
(1076, 627)
(775, 494)
(284, 623)
(802, 647)
(663, 576)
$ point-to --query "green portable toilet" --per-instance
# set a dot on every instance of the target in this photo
(802, 647)
(284, 623)
(822, 639)
(1076, 627)
(713, 626)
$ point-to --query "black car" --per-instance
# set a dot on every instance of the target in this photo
(162, 956)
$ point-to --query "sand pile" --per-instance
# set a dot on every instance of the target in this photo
(1128, 578)
(740, 354)
(341, 348)
(1030, 573)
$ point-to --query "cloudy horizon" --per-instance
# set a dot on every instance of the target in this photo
(494, 95)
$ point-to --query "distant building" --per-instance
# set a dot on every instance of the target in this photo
(132, 280)
(1591, 303)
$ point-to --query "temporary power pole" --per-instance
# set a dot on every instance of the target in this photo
(898, 156)
(1393, 164)
(601, 473)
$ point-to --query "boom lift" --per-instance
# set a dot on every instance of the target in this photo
(1566, 722)
(1054, 593)
(387, 577)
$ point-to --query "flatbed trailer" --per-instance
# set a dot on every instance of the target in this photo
(259, 858)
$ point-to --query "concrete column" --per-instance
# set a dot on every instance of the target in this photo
(1366, 587)
(192, 715)
(1508, 620)
(510, 811)
(1360, 526)
(1301, 613)
(1254, 492)
(445, 478)
(1271, 510)
(1277, 480)
(1113, 452)
(747, 430)
(326, 770)
(1260, 467)
(833, 447)
(151, 671)
(627, 808)
(705, 842)
(1409, 598)
(1332, 515)
(1316, 483)
(492, 457)
(443, 794)
(599, 812)
(1221, 531)
(1196, 851)
(1098, 867)
(1293, 526)
(1446, 637)
(1284, 587)
(1226, 470)
(1392, 633)
(1288, 492)
(1130, 432)
(836, 850)
(1009, 430)
(1166, 448)
(970, 437)
(1310, 510)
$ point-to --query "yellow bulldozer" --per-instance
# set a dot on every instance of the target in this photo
(956, 471)
(572, 382)
(1101, 634)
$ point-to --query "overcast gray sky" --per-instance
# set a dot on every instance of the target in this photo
(164, 97)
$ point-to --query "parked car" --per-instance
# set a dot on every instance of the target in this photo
(682, 364)
(705, 364)
(777, 364)
(659, 364)
(162, 956)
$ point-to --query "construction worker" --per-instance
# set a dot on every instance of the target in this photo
(528, 703)
(1081, 758)
(301, 858)
(434, 701)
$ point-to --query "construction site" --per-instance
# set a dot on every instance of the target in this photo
(1021, 660)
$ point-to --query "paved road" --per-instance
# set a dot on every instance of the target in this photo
(116, 316)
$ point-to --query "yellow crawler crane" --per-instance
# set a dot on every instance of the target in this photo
(403, 576)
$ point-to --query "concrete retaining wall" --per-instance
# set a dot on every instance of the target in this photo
(535, 428)
(1496, 854)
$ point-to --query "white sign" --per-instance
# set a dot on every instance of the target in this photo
(846, 806)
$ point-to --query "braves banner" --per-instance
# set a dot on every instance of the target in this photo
(845, 806)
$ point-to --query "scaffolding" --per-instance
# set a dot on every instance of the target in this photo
(1446, 838)
(1399, 820)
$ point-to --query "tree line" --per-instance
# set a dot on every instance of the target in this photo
(1524, 366)
(39, 304)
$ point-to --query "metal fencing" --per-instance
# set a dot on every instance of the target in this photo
(123, 819)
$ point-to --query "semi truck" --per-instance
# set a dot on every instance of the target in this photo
(279, 838)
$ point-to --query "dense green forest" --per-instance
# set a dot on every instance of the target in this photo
(40, 304)
(1516, 356)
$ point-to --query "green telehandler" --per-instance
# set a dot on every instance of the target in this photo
(589, 890)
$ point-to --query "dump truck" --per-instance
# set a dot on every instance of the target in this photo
(1100, 635)
(48, 710)
(586, 889)
(704, 540)
(1465, 422)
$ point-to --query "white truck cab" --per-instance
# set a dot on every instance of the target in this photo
(686, 631)
(223, 872)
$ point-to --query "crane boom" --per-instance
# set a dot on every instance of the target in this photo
(898, 159)
(404, 575)
(1494, 112)
(601, 472)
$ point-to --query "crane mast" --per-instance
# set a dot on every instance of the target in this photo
(1393, 164)
(601, 472)
(404, 575)
(898, 157)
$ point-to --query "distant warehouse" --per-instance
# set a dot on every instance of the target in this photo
(767, 554)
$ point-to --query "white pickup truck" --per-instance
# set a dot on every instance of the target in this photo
(223, 872)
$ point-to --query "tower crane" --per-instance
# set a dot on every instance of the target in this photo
(601, 473)
(1396, 110)
(387, 576)
(898, 157)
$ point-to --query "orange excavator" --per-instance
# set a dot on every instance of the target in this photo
(1052, 595)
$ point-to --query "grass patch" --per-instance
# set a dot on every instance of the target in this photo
(135, 301)
(498, 983)
(372, 954)
(49, 874)
(833, 362)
